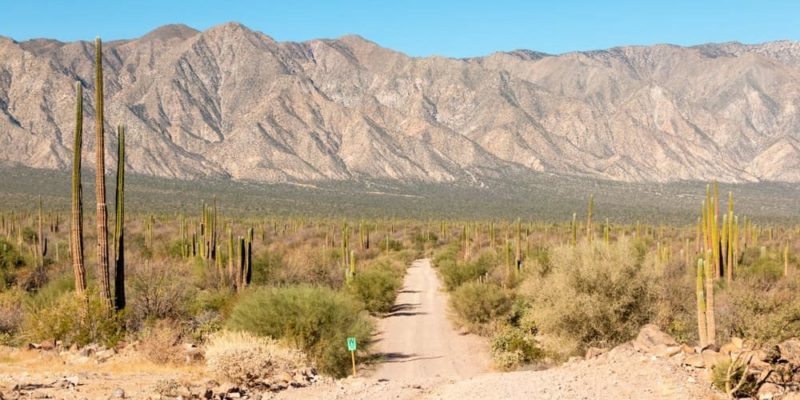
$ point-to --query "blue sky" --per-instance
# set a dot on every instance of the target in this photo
(448, 27)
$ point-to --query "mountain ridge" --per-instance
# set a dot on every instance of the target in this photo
(234, 103)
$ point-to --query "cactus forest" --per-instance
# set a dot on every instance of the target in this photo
(537, 289)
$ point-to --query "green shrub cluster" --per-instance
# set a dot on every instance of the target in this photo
(74, 320)
(316, 320)
(376, 286)
(10, 262)
(455, 274)
(478, 305)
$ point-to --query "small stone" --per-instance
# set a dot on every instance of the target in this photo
(104, 355)
(118, 394)
(47, 345)
(790, 351)
(593, 352)
(768, 391)
(694, 361)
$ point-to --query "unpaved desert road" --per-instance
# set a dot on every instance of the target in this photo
(417, 340)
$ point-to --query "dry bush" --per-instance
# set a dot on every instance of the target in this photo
(11, 312)
(160, 342)
(764, 310)
(676, 307)
(159, 291)
(246, 359)
(594, 295)
(310, 265)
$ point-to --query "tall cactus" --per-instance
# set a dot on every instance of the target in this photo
(589, 211)
(574, 227)
(76, 230)
(100, 179)
(119, 224)
(786, 259)
(518, 247)
(41, 241)
(702, 326)
(709, 296)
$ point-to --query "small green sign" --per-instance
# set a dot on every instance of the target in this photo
(351, 344)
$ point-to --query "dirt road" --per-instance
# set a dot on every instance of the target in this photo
(417, 340)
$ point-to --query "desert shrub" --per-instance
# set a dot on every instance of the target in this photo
(159, 342)
(11, 312)
(513, 346)
(595, 295)
(455, 274)
(10, 262)
(74, 320)
(676, 307)
(394, 245)
(246, 359)
(308, 265)
(762, 310)
(724, 375)
(315, 319)
(479, 304)
(48, 294)
(158, 291)
(265, 266)
(762, 268)
(376, 287)
(175, 248)
(215, 300)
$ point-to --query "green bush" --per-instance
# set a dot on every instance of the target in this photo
(74, 320)
(394, 245)
(478, 305)
(317, 320)
(265, 265)
(376, 287)
(595, 295)
(514, 346)
(455, 274)
(10, 262)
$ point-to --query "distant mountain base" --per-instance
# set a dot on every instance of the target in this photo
(543, 197)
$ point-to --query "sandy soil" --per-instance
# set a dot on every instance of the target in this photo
(417, 340)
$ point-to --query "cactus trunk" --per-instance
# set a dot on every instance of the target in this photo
(119, 226)
(100, 181)
(76, 230)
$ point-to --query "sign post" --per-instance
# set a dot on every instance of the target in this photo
(351, 346)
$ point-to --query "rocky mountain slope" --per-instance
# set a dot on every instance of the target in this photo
(230, 102)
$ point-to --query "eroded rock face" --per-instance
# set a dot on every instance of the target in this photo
(230, 102)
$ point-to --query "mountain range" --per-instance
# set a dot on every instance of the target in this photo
(230, 102)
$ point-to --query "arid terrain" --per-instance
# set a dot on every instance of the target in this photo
(422, 355)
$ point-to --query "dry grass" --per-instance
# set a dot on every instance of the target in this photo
(246, 359)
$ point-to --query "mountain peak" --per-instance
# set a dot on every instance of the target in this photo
(167, 32)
